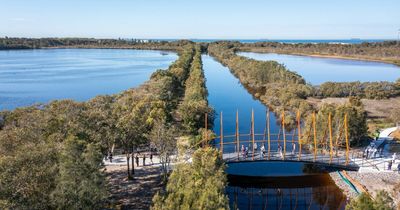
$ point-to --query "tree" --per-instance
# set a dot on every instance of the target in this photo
(132, 112)
(361, 202)
(163, 137)
(80, 183)
(196, 185)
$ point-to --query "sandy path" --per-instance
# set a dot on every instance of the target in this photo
(133, 194)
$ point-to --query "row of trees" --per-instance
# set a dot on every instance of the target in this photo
(201, 183)
(51, 154)
(195, 104)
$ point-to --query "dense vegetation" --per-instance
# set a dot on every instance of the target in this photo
(382, 201)
(194, 105)
(388, 51)
(196, 185)
(369, 90)
(357, 125)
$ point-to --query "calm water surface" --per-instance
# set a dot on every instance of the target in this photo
(226, 94)
(318, 70)
(32, 76)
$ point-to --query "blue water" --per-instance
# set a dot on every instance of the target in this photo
(319, 70)
(38, 76)
(227, 95)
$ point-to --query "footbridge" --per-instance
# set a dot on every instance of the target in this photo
(331, 149)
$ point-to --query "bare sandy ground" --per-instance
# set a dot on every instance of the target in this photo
(133, 194)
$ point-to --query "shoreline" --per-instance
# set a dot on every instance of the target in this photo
(393, 62)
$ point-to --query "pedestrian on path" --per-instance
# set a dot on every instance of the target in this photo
(390, 165)
(144, 159)
(110, 157)
(137, 160)
(398, 168)
(151, 158)
(394, 157)
(293, 148)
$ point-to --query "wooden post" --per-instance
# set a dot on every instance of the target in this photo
(252, 131)
(299, 133)
(330, 137)
(269, 136)
(237, 134)
(284, 134)
(315, 136)
(347, 138)
(221, 137)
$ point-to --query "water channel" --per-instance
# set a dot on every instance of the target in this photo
(263, 185)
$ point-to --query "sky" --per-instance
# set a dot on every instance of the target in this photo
(205, 19)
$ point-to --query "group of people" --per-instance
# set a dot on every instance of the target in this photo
(263, 152)
(372, 152)
(144, 159)
(110, 158)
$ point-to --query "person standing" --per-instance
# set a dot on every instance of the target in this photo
(390, 165)
(151, 158)
(144, 159)
(394, 157)
(137, 160)
(110, 157)
(293, 148)
(398, 168)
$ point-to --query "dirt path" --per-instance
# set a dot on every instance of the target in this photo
(133, 194)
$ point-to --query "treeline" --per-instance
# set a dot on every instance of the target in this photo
(195, 104)
(31, 43)
(369, 90)
(387, 51)
(277, 87)
(51, 155)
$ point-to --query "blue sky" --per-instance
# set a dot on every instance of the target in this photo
(242, 19)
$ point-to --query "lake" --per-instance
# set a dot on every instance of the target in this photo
(317, 70)
(38, 76)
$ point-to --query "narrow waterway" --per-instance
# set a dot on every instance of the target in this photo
(263, 185)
